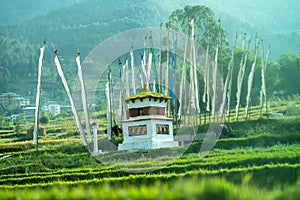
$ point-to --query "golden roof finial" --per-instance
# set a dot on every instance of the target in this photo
(145, 89)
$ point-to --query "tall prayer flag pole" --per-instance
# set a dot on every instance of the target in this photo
(213, 109)
(250, 81)
(155, 75)
(182, 83)
(240, 77)
(193, 48)
(263, 95)
(37, 101)
(228, 83)
(160, 59)
(109, 106)
(172, 81)
(167, 68)
(83, 96)
(132, 71)
(74, 111)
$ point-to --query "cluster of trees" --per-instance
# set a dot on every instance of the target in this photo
(282, 75)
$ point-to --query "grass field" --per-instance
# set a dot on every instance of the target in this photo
(261, 162)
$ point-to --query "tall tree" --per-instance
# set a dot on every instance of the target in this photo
(206, 26)
(289, 73)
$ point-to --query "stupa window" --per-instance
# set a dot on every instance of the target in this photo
(162, 129)
(137, 130)
(134, 112)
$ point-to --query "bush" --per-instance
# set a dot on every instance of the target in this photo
(44, 119)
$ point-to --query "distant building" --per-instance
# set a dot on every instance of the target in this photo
(21, 102)
(12, 100)
(53, 108)
(29, 112)
(14, 118)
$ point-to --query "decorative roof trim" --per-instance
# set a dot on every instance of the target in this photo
(146, 93)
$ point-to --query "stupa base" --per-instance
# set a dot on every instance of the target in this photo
(147, 144)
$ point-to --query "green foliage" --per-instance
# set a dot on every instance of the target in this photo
(181, 188)
(206, 27)
(101, 105)
(293, 110)
(66, 164)
(289, 72)
(264, 157)
(44, 119)
(20, 42)
(17, 60)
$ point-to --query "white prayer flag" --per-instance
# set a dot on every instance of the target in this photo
(77, 120)
(38, 94)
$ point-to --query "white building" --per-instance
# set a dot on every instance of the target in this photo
(147, 126)
(53, 108)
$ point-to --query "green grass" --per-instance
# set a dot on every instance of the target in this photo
(261, 162)
(182, 188)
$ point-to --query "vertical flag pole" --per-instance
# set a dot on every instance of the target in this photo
(266, 100)
(83, 97)
(197, 111)
(215, 76)
(182, 83)
(230, 80)
(95, 136)
(241, 76)
(193, 107)
(132, 71)
(167, 83)
(38, 92)
(172, 81)
(74, 111)
(120, 112)
(160, 60)
(109, 108)
(155, 74)
(262, 90)
(206, 93)
(250, 79)
(167, 68)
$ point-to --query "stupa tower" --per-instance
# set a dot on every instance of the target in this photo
(147, 126)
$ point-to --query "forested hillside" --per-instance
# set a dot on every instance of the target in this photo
(14, 10)
(83, 24)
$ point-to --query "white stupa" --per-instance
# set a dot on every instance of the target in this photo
(147, 126)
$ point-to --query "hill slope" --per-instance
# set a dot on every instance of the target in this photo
(83, 24)
(12, 11)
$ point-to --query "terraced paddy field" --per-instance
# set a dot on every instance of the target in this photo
(262, 161)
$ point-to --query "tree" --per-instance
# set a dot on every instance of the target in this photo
(44, 119)
(4, 78)
(206, 27)
(289, 73)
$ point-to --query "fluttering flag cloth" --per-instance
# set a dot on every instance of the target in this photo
(172, 81)
(84, 100)
(250, 81)
(38, 94)
(74, 111)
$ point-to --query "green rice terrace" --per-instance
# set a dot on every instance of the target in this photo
(261, 161)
